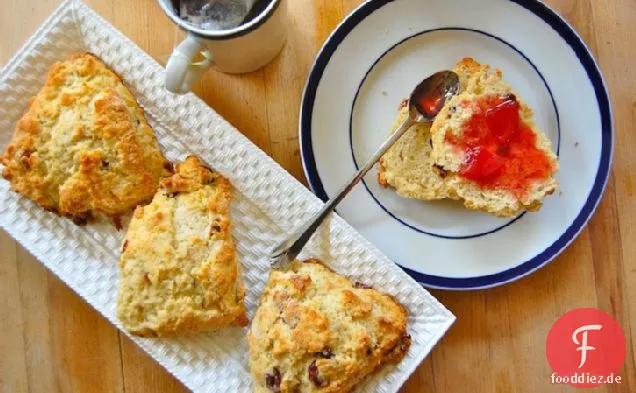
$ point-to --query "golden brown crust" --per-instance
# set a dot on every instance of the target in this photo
(178, 269)
(317, 331)
(84, 147)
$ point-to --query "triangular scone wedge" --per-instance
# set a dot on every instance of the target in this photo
(178, 269)
(317, 331)
(407, 166)
(84, 148)
(485, 141)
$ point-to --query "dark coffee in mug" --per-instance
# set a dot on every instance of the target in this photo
(219, 14)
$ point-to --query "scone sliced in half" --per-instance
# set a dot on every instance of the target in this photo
(407, 165)
(485, 141)
(178, 269)
(317, 331)
(84, 147)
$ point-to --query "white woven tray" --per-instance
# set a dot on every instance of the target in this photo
(269, 202)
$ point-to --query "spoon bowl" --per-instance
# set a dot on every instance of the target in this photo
(428, 98)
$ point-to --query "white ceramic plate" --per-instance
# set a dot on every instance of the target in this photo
(374, 59)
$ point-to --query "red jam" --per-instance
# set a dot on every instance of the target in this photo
(430, 104)
(500, 151)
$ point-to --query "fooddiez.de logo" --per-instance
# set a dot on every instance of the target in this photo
(586, 348)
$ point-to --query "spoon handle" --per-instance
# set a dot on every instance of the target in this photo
(287, 251)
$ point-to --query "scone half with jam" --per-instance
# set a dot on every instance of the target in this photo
(84, 148)
(178, 269)
(491, 153)
(317, 331)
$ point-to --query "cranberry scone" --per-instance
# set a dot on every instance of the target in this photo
(317, 331)
(178, 269)
(84, 148)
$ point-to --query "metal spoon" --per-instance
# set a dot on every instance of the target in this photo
(425, 102)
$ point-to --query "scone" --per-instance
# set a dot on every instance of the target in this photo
(84, 147)
(317, 331)
(486, 144)
(407, 165)
(178, 268)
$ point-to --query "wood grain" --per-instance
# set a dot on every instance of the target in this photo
(51, 341)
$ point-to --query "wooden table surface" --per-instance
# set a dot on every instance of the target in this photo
(52, 341)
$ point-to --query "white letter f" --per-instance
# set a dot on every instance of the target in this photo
(584, 347)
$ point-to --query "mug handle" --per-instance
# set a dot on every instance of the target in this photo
(181, 72)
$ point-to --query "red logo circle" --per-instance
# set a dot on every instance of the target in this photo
(586, 348)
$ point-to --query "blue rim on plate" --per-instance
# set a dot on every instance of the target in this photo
(584, 55)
